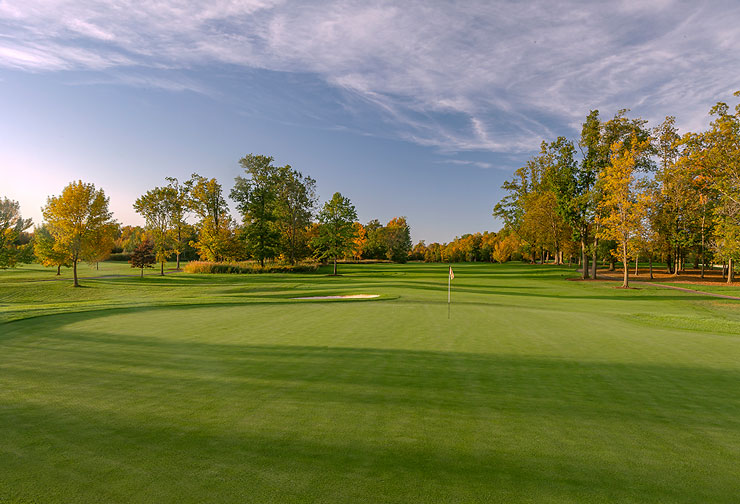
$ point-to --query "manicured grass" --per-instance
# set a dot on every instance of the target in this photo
(719, 288)
(220, 388)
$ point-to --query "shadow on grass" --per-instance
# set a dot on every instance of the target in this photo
(185, 409)
(454, 381)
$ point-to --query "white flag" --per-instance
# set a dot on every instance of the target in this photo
(452, 275)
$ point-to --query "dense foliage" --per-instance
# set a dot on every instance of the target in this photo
(634, 192)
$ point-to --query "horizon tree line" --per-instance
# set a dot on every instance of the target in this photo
(276, 204)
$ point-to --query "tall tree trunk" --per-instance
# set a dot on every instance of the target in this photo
(59, 269)
(651, 266)
(584, 258)
(292, 245)
(703, 216)
(142, 272)
(626, 282)
(637, 263)
(730, 271)
(677, 261)
(161, 271)
(594, 259)
(178, 260)
(611, 263)
(335, 265)
(668, 263)
(74, 269)
(97, 266)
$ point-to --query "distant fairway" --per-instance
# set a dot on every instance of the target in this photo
(221, 388)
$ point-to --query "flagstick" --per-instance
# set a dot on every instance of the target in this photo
(449, 284)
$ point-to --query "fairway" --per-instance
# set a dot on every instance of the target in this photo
(223, 388)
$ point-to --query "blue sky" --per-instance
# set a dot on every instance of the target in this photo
(410, 108)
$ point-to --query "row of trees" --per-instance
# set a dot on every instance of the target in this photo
(467, 248)
(277, 206)
(629, 191)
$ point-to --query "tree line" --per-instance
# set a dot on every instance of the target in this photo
(625, 191)
(279, 220)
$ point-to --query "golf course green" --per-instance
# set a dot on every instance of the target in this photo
(223, 388)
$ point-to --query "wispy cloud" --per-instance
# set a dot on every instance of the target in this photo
(465, 162)
(493, 76)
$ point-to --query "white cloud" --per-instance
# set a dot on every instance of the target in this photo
(496, 76)
(466, 162)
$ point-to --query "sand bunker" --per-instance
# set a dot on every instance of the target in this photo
(349, 296)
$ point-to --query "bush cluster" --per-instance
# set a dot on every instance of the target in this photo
(120, 256)
(247, 267)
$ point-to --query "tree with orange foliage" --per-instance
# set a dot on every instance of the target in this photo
(359, 241)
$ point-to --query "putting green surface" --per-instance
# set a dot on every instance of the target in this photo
(221, 388)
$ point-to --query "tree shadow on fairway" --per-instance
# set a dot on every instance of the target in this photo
(455, 381)
(274, 422)
(123, 457)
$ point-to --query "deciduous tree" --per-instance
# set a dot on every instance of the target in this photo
(78, 219)
(398, 239)
(621, 207)
(143, 256)
(158, 207)
(178, 214)
(215, 230)
(336, 231)
(257, 200)
(12, 225)
(43, 248)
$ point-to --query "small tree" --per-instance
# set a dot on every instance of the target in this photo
(12, 225)
(78, 219)
(157, 206)
(178, 214)
(143, 256)
(360, 240)
(296, 201)
(43, 248)
(336, 231)
(100, 248)
(398, 238)
(206, 200)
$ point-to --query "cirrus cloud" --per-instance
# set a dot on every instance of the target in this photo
(491, 76)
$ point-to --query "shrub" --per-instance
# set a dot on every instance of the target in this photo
(246, 267)
(120, 256)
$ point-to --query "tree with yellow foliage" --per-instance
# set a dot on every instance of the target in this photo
(158, 207)
(43, 249)
(621, 209)
(78, 219)
(12, 226)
